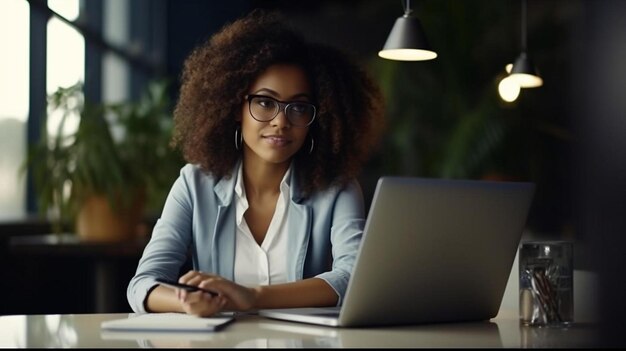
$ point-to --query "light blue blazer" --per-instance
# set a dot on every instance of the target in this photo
(198, 218)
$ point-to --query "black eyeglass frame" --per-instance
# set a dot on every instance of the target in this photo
(282, 106)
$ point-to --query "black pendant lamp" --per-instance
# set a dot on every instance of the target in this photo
(524, 71)
(406, 41)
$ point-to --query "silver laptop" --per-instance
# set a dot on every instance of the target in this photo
(433, 250)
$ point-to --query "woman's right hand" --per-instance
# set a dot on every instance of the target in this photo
(231, 296)
(199, 303)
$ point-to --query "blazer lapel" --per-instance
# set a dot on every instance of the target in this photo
(223, 244)
(299, 229)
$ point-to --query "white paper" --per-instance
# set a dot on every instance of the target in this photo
(166, 322)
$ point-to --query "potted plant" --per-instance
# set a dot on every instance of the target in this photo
(118, 163)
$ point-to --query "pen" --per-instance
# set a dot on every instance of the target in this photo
(177, 285)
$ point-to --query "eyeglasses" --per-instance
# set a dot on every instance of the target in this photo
(264, 109)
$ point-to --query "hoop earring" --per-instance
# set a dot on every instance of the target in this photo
(312, 146)
(238, 138)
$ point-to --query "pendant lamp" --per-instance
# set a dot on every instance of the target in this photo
(524, 71)
(406, 41)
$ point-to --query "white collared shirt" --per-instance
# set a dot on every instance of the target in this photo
(263, 264)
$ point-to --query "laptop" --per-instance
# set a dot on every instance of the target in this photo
(433, 250)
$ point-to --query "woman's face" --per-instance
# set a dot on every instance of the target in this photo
(275, 141)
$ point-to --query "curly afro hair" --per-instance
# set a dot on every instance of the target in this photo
(217, 75)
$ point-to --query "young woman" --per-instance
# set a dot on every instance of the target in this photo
(274, 130)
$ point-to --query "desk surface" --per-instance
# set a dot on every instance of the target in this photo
(83, 330)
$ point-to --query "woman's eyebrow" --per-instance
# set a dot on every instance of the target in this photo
(267, 90)
(277, 95)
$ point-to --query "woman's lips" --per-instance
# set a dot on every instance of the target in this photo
(276, 140)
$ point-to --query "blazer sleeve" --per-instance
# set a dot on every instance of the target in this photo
(167, 250)
(348, 220)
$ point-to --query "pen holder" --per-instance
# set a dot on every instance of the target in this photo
(546, 283)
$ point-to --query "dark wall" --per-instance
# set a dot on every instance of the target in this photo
(191, 22)
(599, 101)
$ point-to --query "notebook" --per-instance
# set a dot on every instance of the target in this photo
(166, 322)
(433, 250)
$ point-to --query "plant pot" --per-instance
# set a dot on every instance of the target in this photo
(97, 221)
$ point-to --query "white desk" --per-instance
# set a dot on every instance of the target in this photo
(83, 330)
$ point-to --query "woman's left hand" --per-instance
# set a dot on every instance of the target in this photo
(238, 297)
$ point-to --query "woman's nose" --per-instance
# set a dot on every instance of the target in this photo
(281, 119)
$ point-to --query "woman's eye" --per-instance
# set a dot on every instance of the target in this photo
(265, 103)
(299, 108)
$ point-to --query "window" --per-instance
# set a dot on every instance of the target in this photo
(65, 59)
(49, 44)
(65, 66)
(14, 100)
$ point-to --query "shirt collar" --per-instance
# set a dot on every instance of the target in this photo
(242, 200)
